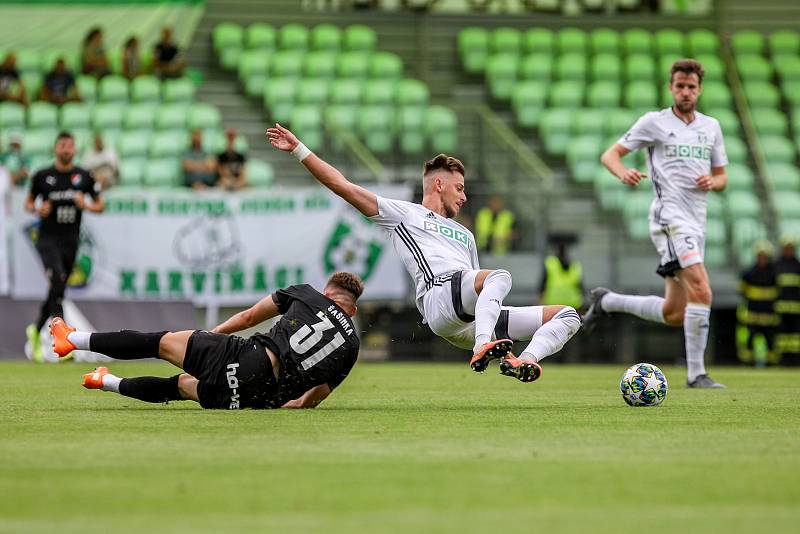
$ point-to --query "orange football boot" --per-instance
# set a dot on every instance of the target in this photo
(61, 343)
(94, 380)
(522, 370)
(488, 352)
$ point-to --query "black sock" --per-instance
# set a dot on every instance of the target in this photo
(151, 388)
(126, 344)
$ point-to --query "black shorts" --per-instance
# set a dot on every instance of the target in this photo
(233, 372)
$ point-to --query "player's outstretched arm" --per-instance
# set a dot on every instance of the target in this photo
(363, 200)
(311, 398)
(261, 311)
(612, 159)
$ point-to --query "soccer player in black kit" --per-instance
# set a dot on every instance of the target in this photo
(308, 352)
(62, 191)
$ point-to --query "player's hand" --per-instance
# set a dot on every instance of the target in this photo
(705, 182)
(79, 201)
(632, 177)
(281, 138)
(45, 208)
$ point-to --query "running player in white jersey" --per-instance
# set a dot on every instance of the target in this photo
(686, 159)
(461, 302)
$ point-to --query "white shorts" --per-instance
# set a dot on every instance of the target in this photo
(678, 246)
(449, 309)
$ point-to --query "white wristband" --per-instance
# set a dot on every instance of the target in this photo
(301, 152)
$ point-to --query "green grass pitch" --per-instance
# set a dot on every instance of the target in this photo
(405, 448)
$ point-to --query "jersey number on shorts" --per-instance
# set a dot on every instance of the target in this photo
(307, 337)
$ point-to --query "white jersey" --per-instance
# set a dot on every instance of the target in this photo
(429, 245)
(678, 154)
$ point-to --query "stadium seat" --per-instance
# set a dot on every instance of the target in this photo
(204, 116)
(279, 98)
(341, 117)
(702, 42)
(716, 95)
(566, 94)
(86, 86)
(315, 92)
(473, 47)
(754, 68)
(39, 142)
(179, 90)
(770, 122)
(306, 123)
(293, 37)
(42, 115)
(107, 116)
(777, 148)
(537, 67)
(669, 41)
(539, 41)
(555, 127)
(134, 144)
(326, 37)
(259, 173)
(784, 42)
(634, 211)
(571, 41)
(506, 41)
(788, 69)
(287, 64)
(28, 60)
(637, 41)
(113, 88)
(528, 101)
(48, 58)
(379, 92)
(571, 67)
(229, 57)
(346, 91)
(131, 171)
(743, 205)
(411, 92)
(375, 127)
(640, 95)
(787, 204)
(728, 120)
(145, 89)
(745, 232)
(171, 117)
(640, 68)
(74, 115)
(620, 121)
(385, 65)
(590, 122)
(761, 95)
(604, 94)
(141, 116)
(715, 232)
(713, 67)
(226, 35)
(162, 172)
(441, 128)
(606, 67)
(583, 155)
(736, 149)
(411, 129)
(740, 177)
(715, 206)
(260, 36)
(172, 143)
(604, 41)
(320, 65)
(352, 65)
(360, 38)
(254, 63)
(747, 42)
(611, 193)
(783, 176)
(664, 68)
(501, 74)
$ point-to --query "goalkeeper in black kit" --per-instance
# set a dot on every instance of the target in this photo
(309, 351)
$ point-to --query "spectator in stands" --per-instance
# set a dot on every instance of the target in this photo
(199, 167)
(11, 86)
(757, 317)
(167, 60)
(93, 55)
(59, 85)
(131, 59)
(230, 165)
(103, 161)
(15, 161)
(494, 227)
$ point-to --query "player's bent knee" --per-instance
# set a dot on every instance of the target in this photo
(674, 316)
(569, 316)
(187, 386)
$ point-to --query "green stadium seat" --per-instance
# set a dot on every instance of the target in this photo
(604, 41)
(379, 92)
(716, 95)
(770, 122)
(42, 115)
(254, 63)
(735, 148)
(539, 41)
(715, 206)
(135, 144)
(640, 95)
(740, 177)
(86, 86)
(113, 88)
(566, 94)
(619, 121)
(320, 65)
(783, 176)
(141, 116)
(410, 92)
(346, 91)
(167, 144)
(611, 193)
(604, 94)
(761, 95)
(75, 115)
(306, 123)
(669, 41)
(375, 127)
(787, 204)
(385, 65)
(747, 42)
(635, 210)
(48, 58)
(352, 65)
(28, 60)
(204, 116)
(754, 68)
(226, 35)
(716, 255)
(789, 227)
(162, 172)
(637, 41)
(229, 57)
(473, 48)
(583, 157)
(664, 67)
(314, 92)
(528, 102)
(501, 75)
(788, 68)
(179, 90)
(411, 129)
(537, 67)
(743, 205)
(260, 36)
(172, 117)
(441, 129)
(784, 42)
(39, 142)
(571, 41)
(108, 116)
(702, 42)
(259, 173)
(555, 127)
(640, 68)
(714, 68)
(146, 89)
(131, 171)
(279, 99)
(777, 148)
(506, 41)
(326, 37)
(341, 117)
(728, 120)
(571, 67)
(745, 232)
(287, 64)
(607, 67)
(715, 233)
(590, 122)
(360, 38)
(293, 37)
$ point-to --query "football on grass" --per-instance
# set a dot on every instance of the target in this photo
(643, 384)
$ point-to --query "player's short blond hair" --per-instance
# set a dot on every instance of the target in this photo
(443, 161)
(347, 282)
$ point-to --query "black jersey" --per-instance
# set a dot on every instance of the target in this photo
(315, 341)
(60, 188)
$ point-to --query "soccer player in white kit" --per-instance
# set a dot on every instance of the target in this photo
(686, 159)
(461, 302)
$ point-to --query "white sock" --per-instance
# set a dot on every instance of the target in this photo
(648, 308)
(695, 330)
(80, 339)
(495, 288)
(111, 383)
(552, 335)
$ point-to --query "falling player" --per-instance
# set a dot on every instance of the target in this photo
(461, 302)
(686, 159)
(308, 352)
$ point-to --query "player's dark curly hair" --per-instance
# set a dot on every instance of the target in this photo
(443, 161)
(687, 66)
(348, 282)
